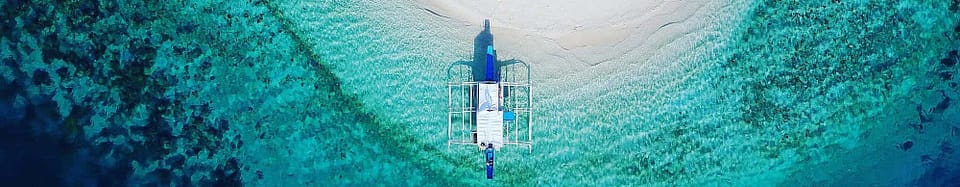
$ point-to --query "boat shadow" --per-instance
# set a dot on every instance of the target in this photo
(477, 65)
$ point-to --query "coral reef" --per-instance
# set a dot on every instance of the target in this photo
(827, 75)
(124, 86)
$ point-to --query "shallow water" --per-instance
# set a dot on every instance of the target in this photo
(350, 93)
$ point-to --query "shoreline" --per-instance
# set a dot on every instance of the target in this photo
(576, 50)
(563, 41)
(577, 61)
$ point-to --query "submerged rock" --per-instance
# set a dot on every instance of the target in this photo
(906, 145)
(951, 58)
(926, 159)
(949, 62)
(946, 76)
(923, 118)
(41, 77)
(942, 105)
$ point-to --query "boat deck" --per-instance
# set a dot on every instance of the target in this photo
(489, 115)
(491, 112)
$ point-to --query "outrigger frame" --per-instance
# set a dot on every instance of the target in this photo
(461, 109)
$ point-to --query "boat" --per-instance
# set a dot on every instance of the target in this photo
(490, 102)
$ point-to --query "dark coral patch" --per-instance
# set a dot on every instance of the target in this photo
(906, 145)
(63, 72)
(954, 6)
(923, 118)
(943, 104)
(175, 160)
(926, 159)
(949, 62)
(41, 77)
(187, 28)
(946, 75)
(227, 174)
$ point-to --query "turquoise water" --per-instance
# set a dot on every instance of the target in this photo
(319, 93)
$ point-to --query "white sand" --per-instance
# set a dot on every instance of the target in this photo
(560, 37)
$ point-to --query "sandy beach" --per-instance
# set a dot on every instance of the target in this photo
(564, 37)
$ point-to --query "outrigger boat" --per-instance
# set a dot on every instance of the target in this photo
(490, 103)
